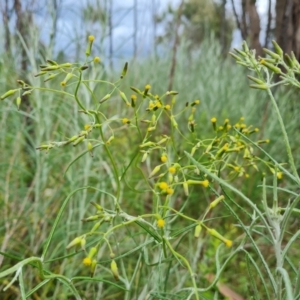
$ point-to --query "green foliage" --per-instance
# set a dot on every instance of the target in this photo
(156, 168)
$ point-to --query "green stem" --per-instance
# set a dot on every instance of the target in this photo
(179, 256)
(285, 136)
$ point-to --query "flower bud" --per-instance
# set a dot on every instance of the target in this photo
(173, 121)
(136, 90)
(155, 171)
(79, 140)
(277, 49)
(256, 80)
(216, 202)
(91, 39)
(105, 98)
(7, 94)
(124, 70)
(186, 188)
(90, 148)
(110, 140)
(147, 88)
(217, 235)
(18, 102)
(93, 267)
(75, 242)
(198, 229)
(51, 76)
(145, 155)
(124, 98)
(114, 269)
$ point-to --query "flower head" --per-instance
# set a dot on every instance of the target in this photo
(87, 261)
(160, 223)
(97, 59)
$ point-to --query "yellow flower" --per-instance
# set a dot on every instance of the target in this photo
(279, 175)
(91, 38)
(213, 120)
(157, 104)
(170, 191)
(228, 243)
(205, 183)
(167, 107)
(160, 223)
(125, 121)
(148, 87)
(87, 261)
(163, 185)
(172, 170)
(164, 158)
(97, 59)
(63, 83)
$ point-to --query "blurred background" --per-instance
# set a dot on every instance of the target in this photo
(172, 45)
(139, 28)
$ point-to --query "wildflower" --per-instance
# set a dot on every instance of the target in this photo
(228, 243)
(158, 104)
(125, 121)
(196, 102)
(214, 121)
(91, 39)
(87, 261)
(217, 235)
(164, 158)
(97, 59)
(167, 107)
(160, 223)
(147, 88)
(63, 84)
(151, 105)
(87, 127)
(279, 175)
(163, 185)
(172, 170)
(133, 100)
(204, 183)
(170, 191)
